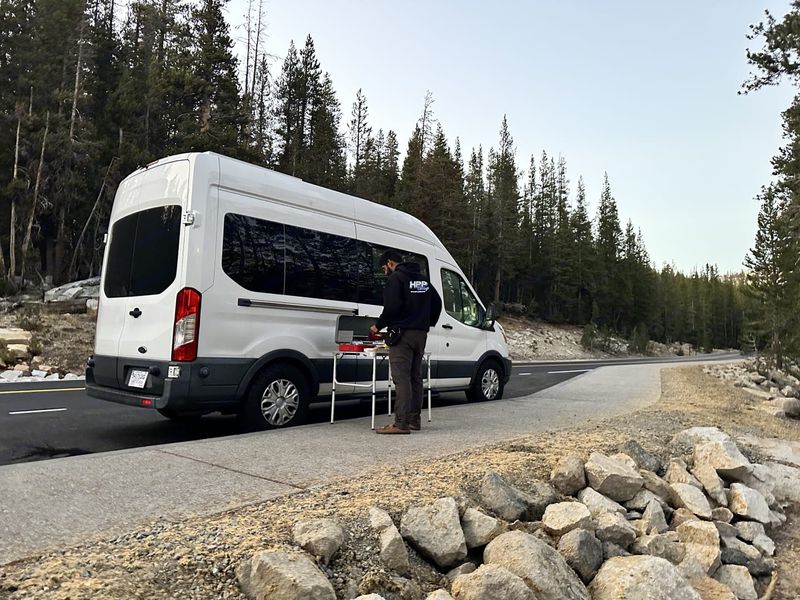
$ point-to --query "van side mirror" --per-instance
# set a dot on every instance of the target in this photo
(490, 317)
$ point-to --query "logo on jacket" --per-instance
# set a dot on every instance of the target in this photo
(418, 287)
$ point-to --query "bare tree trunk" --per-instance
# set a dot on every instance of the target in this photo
(12, 239)
(26, 242)
(255, 47)
(74, 113)
(71, 271)
(247, 47)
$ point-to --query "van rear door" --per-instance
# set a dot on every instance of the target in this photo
(142, 271)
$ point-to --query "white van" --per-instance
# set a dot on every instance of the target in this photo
(222, 284)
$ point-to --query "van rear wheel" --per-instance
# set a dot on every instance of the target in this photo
(488, 383)
(278, 397)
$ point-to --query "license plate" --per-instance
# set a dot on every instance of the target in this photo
(137, 379)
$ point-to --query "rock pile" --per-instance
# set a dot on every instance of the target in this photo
(16, 363)
(777, 391)
(86, 288)
(611, 527)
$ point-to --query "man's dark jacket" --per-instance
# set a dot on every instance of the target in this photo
(409, 300)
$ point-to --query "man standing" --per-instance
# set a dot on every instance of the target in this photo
(411, 305)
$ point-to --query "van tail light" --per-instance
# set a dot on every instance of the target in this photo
(185, 333)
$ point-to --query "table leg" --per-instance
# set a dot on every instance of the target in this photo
(429, 387)
(333, 388)
(390, 385)
(374, 358)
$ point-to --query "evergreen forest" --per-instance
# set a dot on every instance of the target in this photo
(90, 90)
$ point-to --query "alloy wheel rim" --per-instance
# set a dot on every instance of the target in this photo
(490, 384)
(279, 402)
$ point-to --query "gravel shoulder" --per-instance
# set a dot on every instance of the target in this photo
(195, 558)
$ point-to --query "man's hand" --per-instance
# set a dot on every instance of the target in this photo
(373, 330)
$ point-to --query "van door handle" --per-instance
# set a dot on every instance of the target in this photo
(447, 326)
(135, 313)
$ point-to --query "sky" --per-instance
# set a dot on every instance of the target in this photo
(646, 92)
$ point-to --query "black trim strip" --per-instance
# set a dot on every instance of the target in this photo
(301, 307)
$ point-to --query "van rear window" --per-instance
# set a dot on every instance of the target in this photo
(143, 256)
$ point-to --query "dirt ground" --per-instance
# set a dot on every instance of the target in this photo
(195, 558)
(64, 341)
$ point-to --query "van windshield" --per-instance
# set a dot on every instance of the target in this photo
(143, 256)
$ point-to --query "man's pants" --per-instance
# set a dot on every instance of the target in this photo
(406, 360)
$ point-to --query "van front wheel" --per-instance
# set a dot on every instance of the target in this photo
(488, 383)
(278, 397)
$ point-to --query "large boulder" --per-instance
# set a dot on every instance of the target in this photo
(689, 438)
(677, 472)
(701, 541)
(597, 503)
(612, 478)
(667, 546)
(480, 529)
(511, 504)
(393, 551)
(643, 459)
(640, 578)
(568, 476)
(725, 458)
(562, 517)
(490, 582)
(712, 483)
(653, 518)
(614, 528)
(711, 589)
(738, 579)
(540, 566)
(288, 576)
(583, 552)
(748, 503)
(656, 485)
(688, 496)
(435, 531)
(320, 537)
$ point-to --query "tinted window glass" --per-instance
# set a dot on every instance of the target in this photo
(143, 256)
(371, 279)
(253, 253)
(458, 300)
(320, 265)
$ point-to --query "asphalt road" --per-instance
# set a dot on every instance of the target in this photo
(55, 419)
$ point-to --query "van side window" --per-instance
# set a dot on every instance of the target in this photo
(253, 253)
(458, 300)
(319, 265)
(371, 279)
(143, 255)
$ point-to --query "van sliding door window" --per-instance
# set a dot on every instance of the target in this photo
(143, 255)
(458, 300)
(319, 265)
(253, 253)
(371, 279)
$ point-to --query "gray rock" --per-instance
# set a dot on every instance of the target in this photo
(678, 473)
(701, 540)
(612, 478)
(655, 484)
(697, 435)
(689, 497)
(583, 552)
(737, 552)
(480, 529)
(379, 519)
(288, 576)
(568, 476)
(512, 504)
(435, 531)
(738, 579)
(764, 544)
(749, 530)
(610, 550)
(597, 503)
(748, 503)
(624, 459)
(640, 501)
(653, 518)
(490, 582)
(680, 516)
(10, 375)
(613, 527)
(726, 529)
(639, 578)
(439, 595)
(711, 589)
(370, 597)
(562, 517)
(785, 482)
(319, 537)
(543, 569)
(722, 513)
(661, 545)
(465, 569)
(713, 485)
(643, 459)
(725, 458)
(393, 551)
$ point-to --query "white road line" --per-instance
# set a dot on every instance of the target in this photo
(521, 374)
(41, 410)
(572, 371)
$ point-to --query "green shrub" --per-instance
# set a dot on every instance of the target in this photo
(29, 318)
(589, 337)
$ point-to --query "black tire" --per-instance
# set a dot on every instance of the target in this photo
(278, 397)
(179, 417)
(487, 384)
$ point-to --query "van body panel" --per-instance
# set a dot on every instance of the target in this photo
(249, 322)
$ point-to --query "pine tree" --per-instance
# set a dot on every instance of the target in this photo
(608, 248)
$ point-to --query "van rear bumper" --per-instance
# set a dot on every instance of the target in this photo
(201, 387)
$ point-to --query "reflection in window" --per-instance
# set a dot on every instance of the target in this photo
(458, 300)
(253, 253)
(319, 265)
